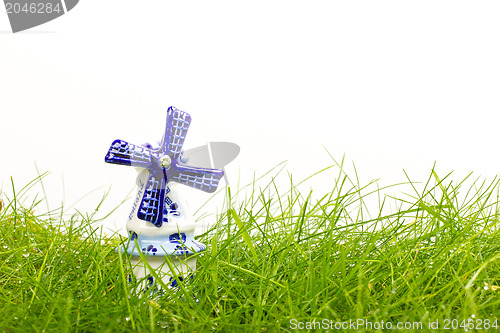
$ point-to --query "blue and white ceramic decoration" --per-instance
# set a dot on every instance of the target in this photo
(160, 222)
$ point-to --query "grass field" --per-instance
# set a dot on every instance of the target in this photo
(277, 261)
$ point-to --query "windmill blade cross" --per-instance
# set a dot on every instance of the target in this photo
(164, 164)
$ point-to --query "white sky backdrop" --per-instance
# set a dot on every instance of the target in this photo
(392, 84)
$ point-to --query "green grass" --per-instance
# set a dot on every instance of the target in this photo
(275, 260)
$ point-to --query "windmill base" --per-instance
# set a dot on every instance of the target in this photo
(183, 268)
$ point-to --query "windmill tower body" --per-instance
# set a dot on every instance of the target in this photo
(160, 226)
(174, 239)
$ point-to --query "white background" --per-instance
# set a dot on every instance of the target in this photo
(393, 85)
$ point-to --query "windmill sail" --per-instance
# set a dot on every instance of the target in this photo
(151, 207)
(177, 126)
(124, 153)
(203, 179)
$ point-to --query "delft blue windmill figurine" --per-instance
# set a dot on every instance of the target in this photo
(160, 222)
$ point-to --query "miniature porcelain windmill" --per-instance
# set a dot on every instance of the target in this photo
(160, 221)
